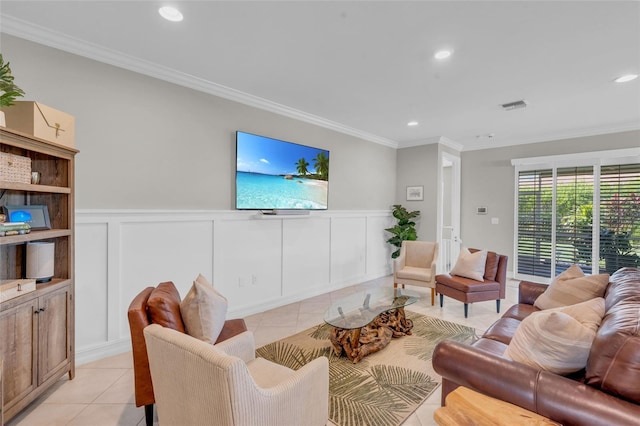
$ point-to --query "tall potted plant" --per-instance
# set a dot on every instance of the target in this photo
(9, 91)
(404, 230)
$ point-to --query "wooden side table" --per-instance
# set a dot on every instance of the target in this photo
(464, 407)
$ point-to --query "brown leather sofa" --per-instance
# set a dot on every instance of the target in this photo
(607, 392)
(159, 305)
(466, 290)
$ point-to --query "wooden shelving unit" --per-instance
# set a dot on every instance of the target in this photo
(37, 329)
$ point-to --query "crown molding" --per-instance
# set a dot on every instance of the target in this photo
(451, 144)
(38, 34)
(569, 134)
(620, 156)
(442, 140)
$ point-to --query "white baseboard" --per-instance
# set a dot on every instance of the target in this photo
(103, 350)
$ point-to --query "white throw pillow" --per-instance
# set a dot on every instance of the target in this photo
(570, 287)
(203, 311)
(557, 340)
(470, 265)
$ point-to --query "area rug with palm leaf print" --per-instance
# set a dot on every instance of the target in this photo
(385, 387)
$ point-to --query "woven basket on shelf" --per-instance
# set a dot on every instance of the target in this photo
(14, 168)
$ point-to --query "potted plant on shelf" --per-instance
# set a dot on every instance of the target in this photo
(404, 230)
(8, 89)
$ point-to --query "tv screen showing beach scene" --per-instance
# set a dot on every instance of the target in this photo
(273, 174)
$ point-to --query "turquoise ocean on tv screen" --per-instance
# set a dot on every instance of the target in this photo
(260, 191)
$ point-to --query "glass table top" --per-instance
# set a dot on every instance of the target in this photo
(359, 309)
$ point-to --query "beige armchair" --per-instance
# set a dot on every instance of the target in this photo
(416, 265)
(225, 384)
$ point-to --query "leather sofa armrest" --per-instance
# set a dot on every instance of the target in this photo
(550, 395)
(486, 373)
(529, 291)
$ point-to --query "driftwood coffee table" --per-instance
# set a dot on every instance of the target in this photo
(365, 322)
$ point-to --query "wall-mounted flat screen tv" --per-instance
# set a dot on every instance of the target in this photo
(272, 174)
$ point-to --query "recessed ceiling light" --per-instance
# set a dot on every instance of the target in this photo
(442, 54)
(170, 14)
(412, 123)
(625, 78)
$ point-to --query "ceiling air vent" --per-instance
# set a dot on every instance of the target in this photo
(514, 105)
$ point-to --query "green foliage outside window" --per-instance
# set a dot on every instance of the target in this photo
(619, 218)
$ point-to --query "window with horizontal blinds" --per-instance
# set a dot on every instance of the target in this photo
(587, 215)
(535, 197)
(619, 217)
(574, 218)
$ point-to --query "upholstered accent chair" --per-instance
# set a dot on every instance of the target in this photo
(416, 265)
(159, 305)
(467, 290)
(225, 384)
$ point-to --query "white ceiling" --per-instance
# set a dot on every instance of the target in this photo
(367, 68)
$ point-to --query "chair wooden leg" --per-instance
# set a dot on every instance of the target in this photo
(441, 299)
(148, 414)
(498, 306)
(466, 310)
(395, 285)
(433, 296)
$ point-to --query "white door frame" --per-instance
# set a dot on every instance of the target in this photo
(448, 236)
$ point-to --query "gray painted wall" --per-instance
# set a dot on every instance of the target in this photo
(488, 179)
(418, 166)
(149, 144)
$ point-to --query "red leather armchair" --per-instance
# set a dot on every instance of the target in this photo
(159, 305)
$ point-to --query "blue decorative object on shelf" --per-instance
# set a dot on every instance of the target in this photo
(20, 216)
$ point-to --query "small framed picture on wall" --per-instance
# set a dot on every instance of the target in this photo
(415, 193)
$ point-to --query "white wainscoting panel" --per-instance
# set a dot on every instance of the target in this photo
(348, 248)
(306, 263)
(248, 259)
(378, 250)
(153, 252)
(257, 262)
(92, 299)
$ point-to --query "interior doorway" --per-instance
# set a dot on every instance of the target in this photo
(448, 211)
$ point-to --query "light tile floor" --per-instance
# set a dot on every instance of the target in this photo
(102, 391)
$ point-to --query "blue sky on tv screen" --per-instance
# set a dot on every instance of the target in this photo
(259, 154)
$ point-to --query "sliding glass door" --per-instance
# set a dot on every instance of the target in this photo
(587, 215)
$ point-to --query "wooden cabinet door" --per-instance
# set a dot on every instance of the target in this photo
(18, 351)
(53, 334)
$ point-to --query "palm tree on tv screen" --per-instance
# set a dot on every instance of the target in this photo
(302, 165)
(321, 164)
